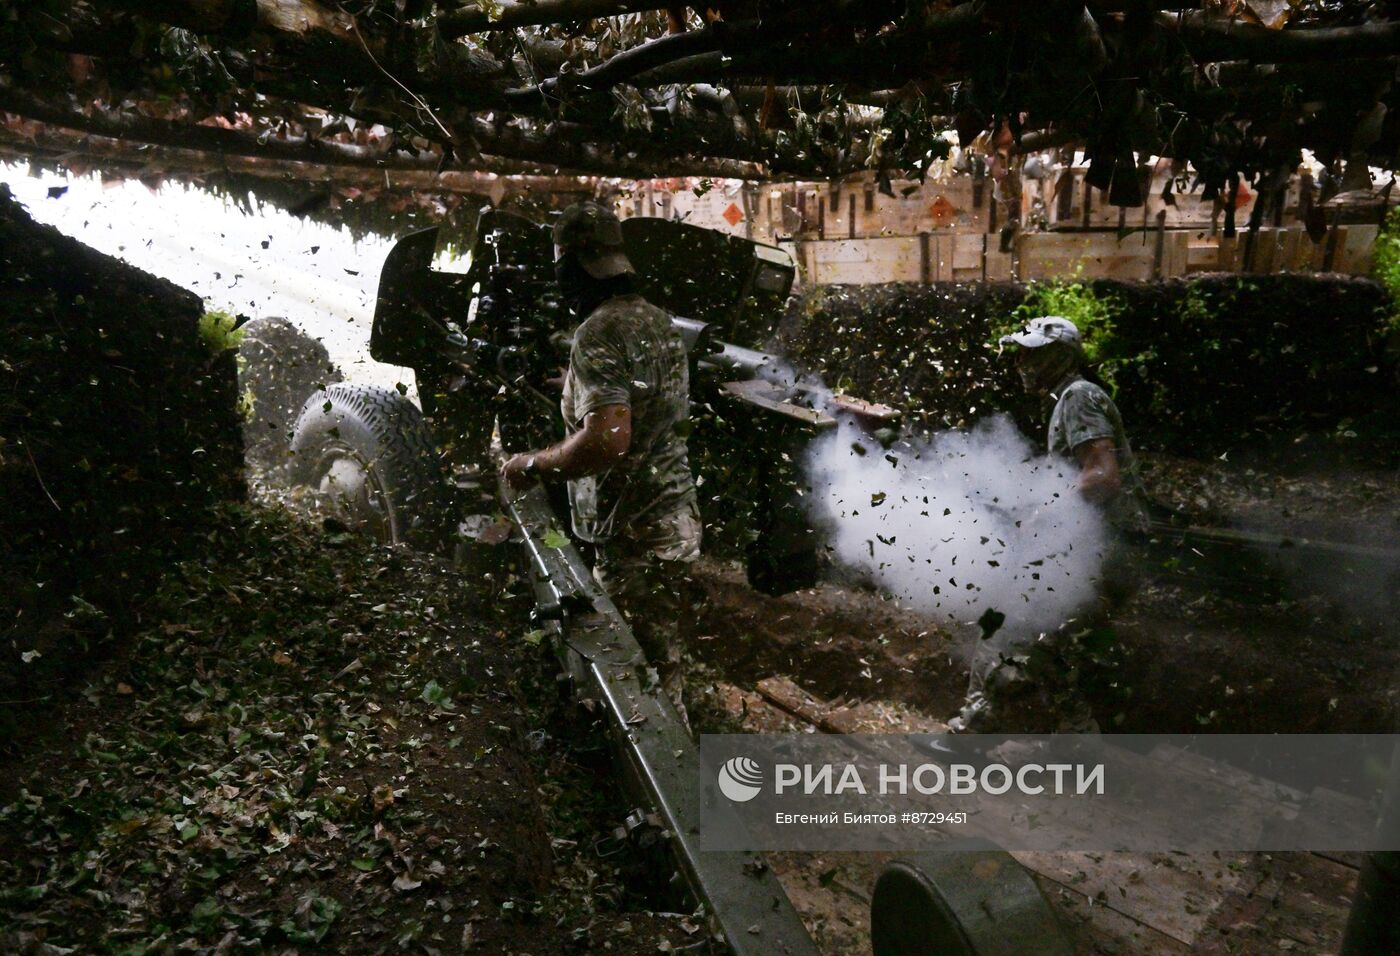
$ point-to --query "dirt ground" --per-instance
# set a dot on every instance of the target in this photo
(312, 743)
(1233, 641)
(1237, 643)
(316, 744)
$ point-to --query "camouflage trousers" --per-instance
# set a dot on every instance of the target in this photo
(1033, 683)
(646, 572)
(1027, 684)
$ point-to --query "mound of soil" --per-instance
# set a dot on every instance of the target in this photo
(118, 432)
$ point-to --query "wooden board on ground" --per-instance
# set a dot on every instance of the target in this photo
(1173, 893)
(839, 718)
(1312, 904)
(1098, 930)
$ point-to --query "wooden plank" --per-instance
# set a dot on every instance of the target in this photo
(767, 396)
(1266, 251)
(1175, 894)
(967, 251)
(1098, 930)
(1235, 926)
(998, 263)
(1289, 244)
(1326, 812)
(1319, 255)
(1228, 258)
(1177, 253)
(784, 693)
(755, 714)
(1307, 251)
(943, 251)
(1313, 902)
(1202, 255)
(1182, 761)
(1355, 251)
(1099, 254)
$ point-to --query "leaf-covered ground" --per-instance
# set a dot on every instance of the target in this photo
(316, 744)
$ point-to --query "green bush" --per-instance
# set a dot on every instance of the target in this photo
(1387, 267)
(1092, 312)
(220, 331)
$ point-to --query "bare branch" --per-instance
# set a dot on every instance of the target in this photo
(461, 22)
(54, 143)
(1211, 38)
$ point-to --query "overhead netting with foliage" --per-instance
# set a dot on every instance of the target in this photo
(743, 88)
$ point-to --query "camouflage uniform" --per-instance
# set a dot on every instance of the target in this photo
(1084, 413)
(641, 515)
(1017, 678)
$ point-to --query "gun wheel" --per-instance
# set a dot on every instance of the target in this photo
(365, 453)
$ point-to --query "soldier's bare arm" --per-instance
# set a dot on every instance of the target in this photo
(600, 444)
(1099, 477)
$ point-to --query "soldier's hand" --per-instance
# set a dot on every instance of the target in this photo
(518, 471)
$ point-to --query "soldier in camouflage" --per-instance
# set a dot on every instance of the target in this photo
(1041, 674)
(626, 406)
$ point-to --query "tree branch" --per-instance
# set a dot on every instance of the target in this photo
(189, 135)
(461, 22)
(53, 143)
(1212, 38)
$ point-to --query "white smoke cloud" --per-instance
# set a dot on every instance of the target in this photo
(961, 524)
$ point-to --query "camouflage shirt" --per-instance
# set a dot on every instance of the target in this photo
(627, 353)
(1083, 413)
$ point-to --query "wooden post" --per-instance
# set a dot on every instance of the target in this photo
(1158, 252)
(984, 257)
(1064, 195)
(851, 216)
(1231, 197)
(925, 259)
(1305, 195)
(1251, 242)
(1334, 235)
(1088, 201)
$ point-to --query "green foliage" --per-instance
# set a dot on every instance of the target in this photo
(1194, 308)
(220, 331)
(1387, 268)
(909, 138)
(1092, 312)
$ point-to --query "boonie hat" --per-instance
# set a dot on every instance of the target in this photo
(594, 235)
(1043, 331)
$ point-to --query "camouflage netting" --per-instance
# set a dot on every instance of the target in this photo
(117, 428)
(1282, 364)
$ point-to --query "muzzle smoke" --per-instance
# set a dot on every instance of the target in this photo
(960, 525)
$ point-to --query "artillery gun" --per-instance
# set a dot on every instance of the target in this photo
(479, 320)
(481, 324)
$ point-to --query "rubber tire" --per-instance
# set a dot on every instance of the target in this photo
(385, 435)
